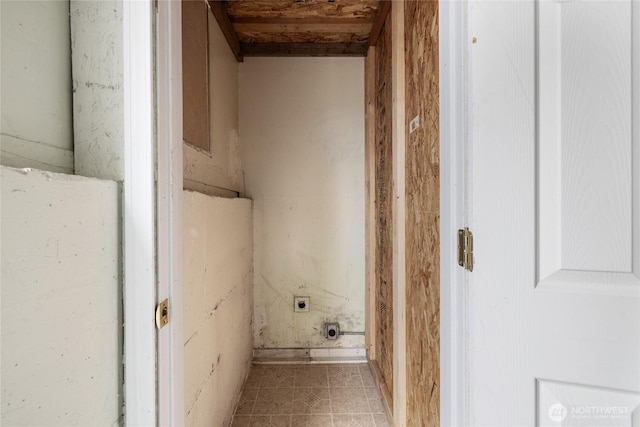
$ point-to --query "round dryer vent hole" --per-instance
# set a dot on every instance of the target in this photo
(301, 304)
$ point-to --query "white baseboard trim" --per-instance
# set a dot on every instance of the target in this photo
(309, 355)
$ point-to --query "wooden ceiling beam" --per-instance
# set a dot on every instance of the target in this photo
(381, 16)
(304, 49)
(292, 9)
(224, 22)
(302, 20)
(303, 28)
(258, 37)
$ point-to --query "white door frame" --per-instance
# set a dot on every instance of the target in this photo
(169, 208)
(152, 215)
(453, 134)
(139, 189)
(138, 213)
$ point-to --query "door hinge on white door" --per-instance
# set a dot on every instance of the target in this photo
(465, 249)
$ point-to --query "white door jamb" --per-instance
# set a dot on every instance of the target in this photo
(169, 211)
(139, 217)
(453, 99)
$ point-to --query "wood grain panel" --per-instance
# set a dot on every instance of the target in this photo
(422, 213)
(303, 31)
(259, 36)
(302, 27)
(301, 21)
(220, 13)
(195, 74)
(384, 201)
(304, 49)
(370, 201)
(381, 17)
(344, 9)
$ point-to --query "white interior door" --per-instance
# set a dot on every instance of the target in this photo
(554, 205)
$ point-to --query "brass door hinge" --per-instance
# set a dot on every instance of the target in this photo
(162, 314)
(465, 249)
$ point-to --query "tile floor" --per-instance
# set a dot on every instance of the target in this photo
(310, 395)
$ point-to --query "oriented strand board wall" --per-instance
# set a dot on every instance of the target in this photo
(218, 295)
(384, 202)
(423, 214)
(61, 319)
(302, 122)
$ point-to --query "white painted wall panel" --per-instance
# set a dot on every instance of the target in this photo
(585, 124)
(61, 316)
(98, 93)
(219, 169)
(218, 295)
(302, 132)
(36, 85)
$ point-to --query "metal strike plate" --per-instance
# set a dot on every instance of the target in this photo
(162, 314)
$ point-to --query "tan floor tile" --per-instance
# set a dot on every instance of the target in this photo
(367, 378)
(245, 408)
(254, 379)
(259, 367)
(349, 400)
(372, 392)
(311, 421)
(280, 376)
(310, 395)
(344, 376)
(381, 420)
(272, 407)
(275, 393)
(311, 377)
(376, 406)
(241, 421)
(351, 369)
(311, 401)
(249, 394)
(271, 421)
(247, 399)
(311, 369)
(353, 420)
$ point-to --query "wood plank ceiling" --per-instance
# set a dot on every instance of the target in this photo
(300, 28)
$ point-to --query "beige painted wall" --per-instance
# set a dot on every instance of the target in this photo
(36, 128)
(218, 172)
(302, 132)
(218, 246)
(98, 93)
(61, 319)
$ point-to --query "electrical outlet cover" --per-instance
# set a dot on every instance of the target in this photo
(332, 330)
